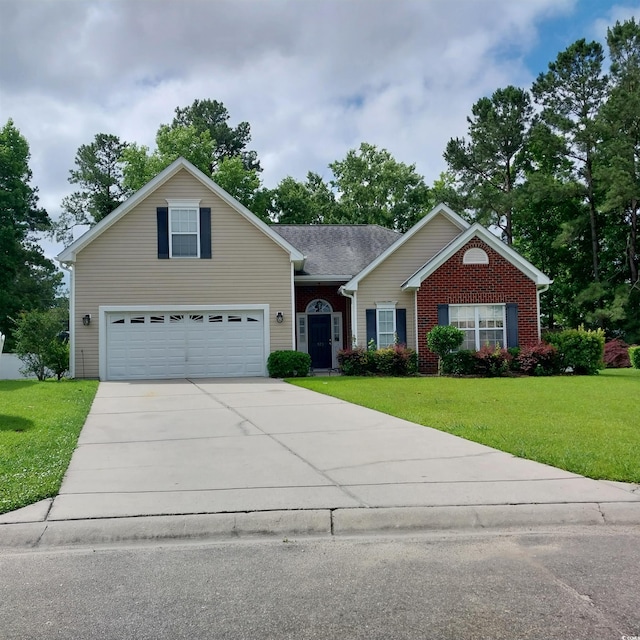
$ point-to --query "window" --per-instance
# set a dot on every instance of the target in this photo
(319, 306)
(183, 229)
(475, 255)
(386, 324)
(482, 324)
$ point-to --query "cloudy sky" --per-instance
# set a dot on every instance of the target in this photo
(314, 78)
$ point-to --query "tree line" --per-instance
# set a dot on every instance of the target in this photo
(554, 169)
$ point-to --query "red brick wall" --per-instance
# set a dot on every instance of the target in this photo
(499, 282)
(305, 294)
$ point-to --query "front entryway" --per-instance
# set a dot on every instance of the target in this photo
(319, 333)
(320, 341)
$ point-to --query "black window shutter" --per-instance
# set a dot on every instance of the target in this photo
(443, 314)
(401, 326)
(512, 324)
(163, 232)
(205, 232)
(371, 326)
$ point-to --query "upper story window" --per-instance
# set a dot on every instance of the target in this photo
(184, 228)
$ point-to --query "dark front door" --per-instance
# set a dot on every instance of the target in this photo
(320, 341)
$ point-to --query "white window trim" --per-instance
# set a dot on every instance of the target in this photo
(476, 329)
(386, 306)
(184, 204)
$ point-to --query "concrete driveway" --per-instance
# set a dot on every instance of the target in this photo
(182, 447)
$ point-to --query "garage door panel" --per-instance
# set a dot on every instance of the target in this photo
(177, 345)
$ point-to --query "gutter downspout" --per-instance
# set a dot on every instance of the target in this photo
(354, 315)
(72, 318)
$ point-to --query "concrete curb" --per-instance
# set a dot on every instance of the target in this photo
(319, 522)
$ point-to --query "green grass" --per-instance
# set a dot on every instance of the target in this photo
(39, 427)
(585, 424)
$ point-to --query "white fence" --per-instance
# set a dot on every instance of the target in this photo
(10, 366)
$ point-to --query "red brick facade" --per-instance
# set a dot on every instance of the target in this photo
(498, 282)
(305, 294)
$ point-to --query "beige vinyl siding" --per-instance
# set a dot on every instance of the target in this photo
(121, 267)
(383, 283)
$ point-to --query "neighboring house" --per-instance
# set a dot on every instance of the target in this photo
(182, 281)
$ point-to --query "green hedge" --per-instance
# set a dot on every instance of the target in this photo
(288, 364)
(634, 356)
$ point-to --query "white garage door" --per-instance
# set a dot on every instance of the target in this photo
(198, 344)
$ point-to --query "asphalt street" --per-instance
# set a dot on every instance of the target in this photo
(556, 584)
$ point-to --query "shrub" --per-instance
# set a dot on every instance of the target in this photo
(492, 361)
(538, 360)
(395, 360)
(634, 357)
(616, 354)
(288, 364)
(444, 339)
(356, 362)
(459, 363)
(580, 350)
(38, 343)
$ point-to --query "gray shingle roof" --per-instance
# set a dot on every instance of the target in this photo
(337, 249)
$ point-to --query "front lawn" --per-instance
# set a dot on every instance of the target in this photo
(585, 424)
(39, 427)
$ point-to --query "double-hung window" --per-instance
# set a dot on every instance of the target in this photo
(184, 229)
(482, 324)
(183, 225)
(386, 324)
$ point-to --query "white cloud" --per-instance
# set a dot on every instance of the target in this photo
(312, 78)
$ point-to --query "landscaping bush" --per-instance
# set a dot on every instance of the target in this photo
(538, 360)
(616, 354)
(288, 364)
(39, 345)
(395, 360)
(492, 361)
(356, 362)
(580, 350)
(444, 339)
(634, 357)
(459, 363)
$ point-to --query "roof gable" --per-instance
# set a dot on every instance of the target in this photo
(476, 230)
(68, 255)
(441, 209)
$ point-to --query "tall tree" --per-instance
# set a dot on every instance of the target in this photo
(141, 165)
(28, 280)
(244, 185)
(374, 188)
(99, 175)
(309, 202)
(571, 94)
(487, 165)
(618, 172)
(212, 116)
